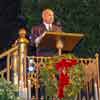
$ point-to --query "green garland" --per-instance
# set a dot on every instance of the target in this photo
(8, 91)
(49, 76)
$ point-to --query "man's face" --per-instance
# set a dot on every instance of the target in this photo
(48, 16)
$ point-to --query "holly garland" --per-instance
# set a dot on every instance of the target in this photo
(63, 76)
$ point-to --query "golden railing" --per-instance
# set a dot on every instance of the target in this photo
(92, 78)
(8, 54)
(91, 69)
(16, 60)
(34, 77)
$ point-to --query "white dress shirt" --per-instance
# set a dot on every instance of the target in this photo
(48, 26)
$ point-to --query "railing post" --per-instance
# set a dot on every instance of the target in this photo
(22, 51)
(15, 66)
(8, 67)
(98, 77)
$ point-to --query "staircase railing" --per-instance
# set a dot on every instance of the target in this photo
(8, 54)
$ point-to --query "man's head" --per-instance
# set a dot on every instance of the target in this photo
(48, 16)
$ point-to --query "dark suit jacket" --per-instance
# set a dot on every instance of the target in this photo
(39, 30)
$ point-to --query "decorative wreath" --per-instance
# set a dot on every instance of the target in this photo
(62, 76)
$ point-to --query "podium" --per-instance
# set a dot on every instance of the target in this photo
(60, 40)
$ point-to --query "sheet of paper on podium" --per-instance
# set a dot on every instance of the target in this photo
(70, 40)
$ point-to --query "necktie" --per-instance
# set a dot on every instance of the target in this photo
(50, 28)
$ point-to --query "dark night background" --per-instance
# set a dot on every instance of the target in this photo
(9, 22)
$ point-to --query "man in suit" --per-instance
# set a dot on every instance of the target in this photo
(36, 36)
(45, 26)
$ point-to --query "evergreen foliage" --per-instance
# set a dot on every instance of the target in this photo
(8, 91)
(82, 16)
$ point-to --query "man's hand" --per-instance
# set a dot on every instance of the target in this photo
(43, 34)
(38, 39)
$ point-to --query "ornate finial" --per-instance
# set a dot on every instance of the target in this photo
(22, 32)
(22, 35)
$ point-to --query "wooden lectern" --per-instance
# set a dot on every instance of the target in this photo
(60, 40)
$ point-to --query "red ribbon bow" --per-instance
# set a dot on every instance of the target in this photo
(62, 67)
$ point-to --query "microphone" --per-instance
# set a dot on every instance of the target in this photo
(58, 23)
